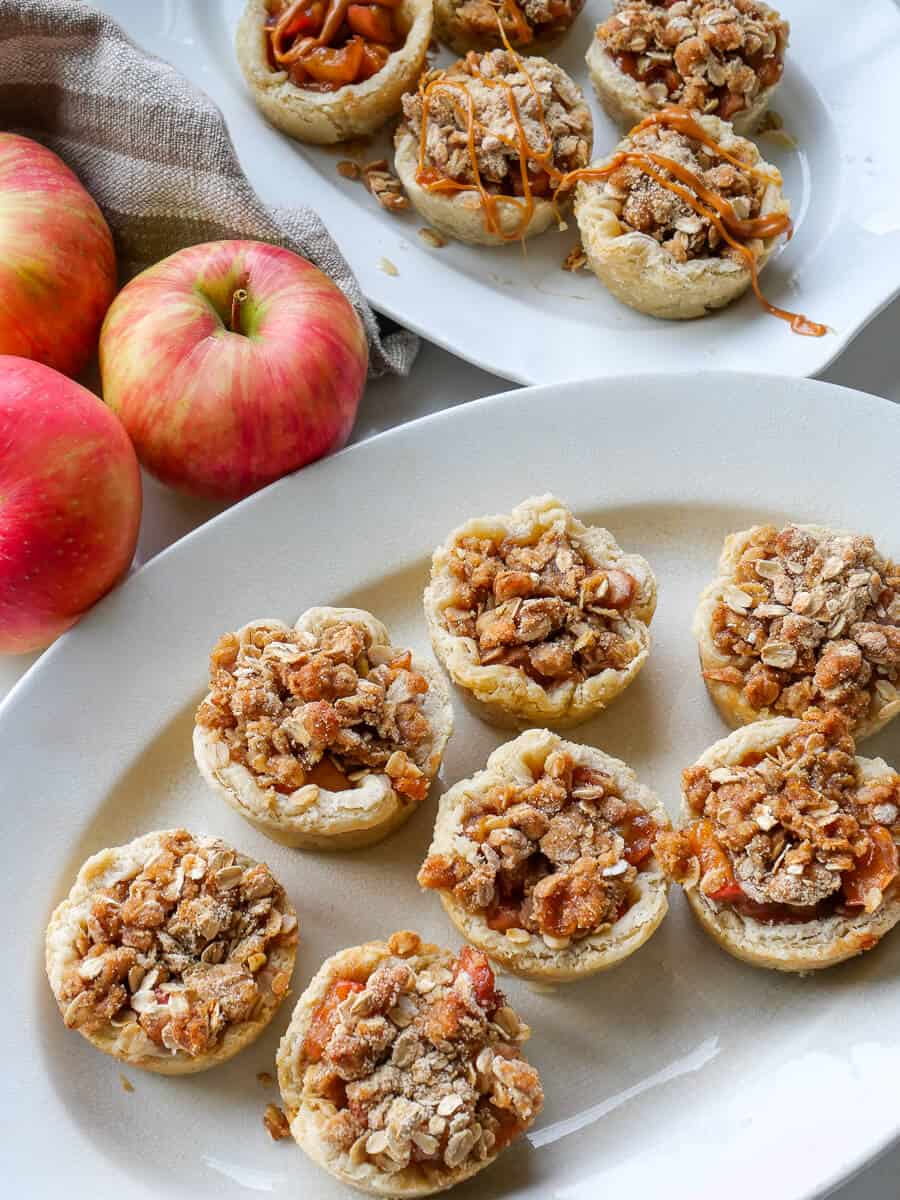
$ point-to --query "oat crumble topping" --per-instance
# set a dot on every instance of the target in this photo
(522, 21)
(422, 1062)
(179, 951)
(553, 116)
(297, 708)
(645, 206)
(558, 858)
(810, 619)
(791, 835)
(709, 55)
(541, 607)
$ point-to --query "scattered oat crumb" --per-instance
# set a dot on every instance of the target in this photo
(385, 186)
(432, 237)
(575, 259)
(276, 1123)
(127, 1085)
(349, 169)
(265, 1079)
(385, 264)
(772, 127)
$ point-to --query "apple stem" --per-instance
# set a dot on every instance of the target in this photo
(237, 299)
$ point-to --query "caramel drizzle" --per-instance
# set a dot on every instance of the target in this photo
(720, 213)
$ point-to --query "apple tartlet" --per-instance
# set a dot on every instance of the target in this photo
(799, 616)
(171, 953)
(327, 71)
(530, 25)
(401, 1071)
(537, 617)
(483, 144)
(722, 58)
(788, 852)
(545, 860)
(324, 735)
(681, 217)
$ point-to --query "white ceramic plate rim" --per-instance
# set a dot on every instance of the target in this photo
(49, 701)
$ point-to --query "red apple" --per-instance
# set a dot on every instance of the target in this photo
(232, 363)
(57, 264)
(70, 503)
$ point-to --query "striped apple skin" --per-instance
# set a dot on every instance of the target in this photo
(70, 503)
(57, 262)
(219, 412)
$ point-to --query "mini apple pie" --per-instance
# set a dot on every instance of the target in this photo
(401, 1070)
(532, 25)
(329, 70)
(544, 860)
(788, 853)
(800, 616)
(541, 619)
(484, 143)
(171, 953)
(324, 735)
(719, 57)
(681, 217)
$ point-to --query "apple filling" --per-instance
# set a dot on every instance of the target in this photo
(795, 834)
(541, 607)
(420, 1062)
(296, 708)
(324, 45)
(557, 858)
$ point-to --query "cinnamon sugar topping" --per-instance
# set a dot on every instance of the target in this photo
(557, 858)
(421, 1063)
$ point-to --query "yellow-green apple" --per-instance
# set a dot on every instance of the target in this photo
(231, 363)
(57, 264)
(70, 502)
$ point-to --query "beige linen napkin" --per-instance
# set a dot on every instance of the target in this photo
(152, 149)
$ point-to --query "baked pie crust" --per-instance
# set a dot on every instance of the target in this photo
(300, 811)
(353, 111)
(643, 273)
(692, 64)
(155, 912)
(797, 944)
(508, 695)
(461, 212)
(589, 859)
(523, 30)
(827, 634)
(452, 1114)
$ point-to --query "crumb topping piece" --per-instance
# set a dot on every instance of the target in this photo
(179, 950)
(810, 619)
(709, 55)
(557, 858)
(647, 206)
(541, 607)
(500, 123)
(297, 708)
(791, 835)
(421, 1061)
(324, 45)
(522, 21)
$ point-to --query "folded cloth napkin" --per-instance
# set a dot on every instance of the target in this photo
(152, 149)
